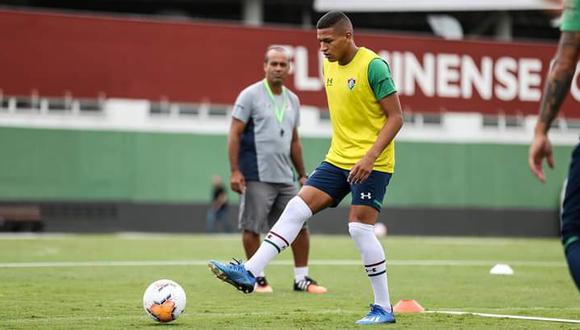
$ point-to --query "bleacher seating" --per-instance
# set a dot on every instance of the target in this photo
(21, 218)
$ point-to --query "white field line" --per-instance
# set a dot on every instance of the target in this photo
(502, 316)
(122, 235)
(32, 236)
(146, 263)
(136, 236)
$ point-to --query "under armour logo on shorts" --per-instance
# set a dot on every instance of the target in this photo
(365, 196)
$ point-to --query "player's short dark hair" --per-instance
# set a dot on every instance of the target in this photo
(332, 18)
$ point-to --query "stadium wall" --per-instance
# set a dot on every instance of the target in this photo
(112, 172)
(187, 61)
(53, 164)
(155, 180)
(90, 217)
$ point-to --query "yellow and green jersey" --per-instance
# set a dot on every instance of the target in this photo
(353, 92)
(571, 16)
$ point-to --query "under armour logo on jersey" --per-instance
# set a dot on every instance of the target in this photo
(329, 82)
(351, 83)
(365, 196)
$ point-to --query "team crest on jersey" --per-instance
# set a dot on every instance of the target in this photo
(351, 83)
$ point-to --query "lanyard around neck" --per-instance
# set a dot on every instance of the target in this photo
(278, 110)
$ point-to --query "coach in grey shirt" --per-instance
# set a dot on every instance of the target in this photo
(263, 145)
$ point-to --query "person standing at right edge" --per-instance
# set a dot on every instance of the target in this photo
(555, 91)
(366, 116)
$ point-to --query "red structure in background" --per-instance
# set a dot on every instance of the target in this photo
(194, 62)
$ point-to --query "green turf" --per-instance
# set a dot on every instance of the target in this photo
(109, 297)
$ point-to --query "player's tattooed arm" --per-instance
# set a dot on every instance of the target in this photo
(557, 86)
(560, 77)
(555, 91)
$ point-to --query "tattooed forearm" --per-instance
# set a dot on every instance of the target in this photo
(556, 90)
(560, 77)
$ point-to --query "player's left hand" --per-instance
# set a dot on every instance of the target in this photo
(361, 170)
(302, 180)
(539, 149)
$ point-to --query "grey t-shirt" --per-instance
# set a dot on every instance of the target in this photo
(265, 143)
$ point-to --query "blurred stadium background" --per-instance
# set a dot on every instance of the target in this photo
(114, 114)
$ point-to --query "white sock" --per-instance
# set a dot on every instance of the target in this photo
(282, 234)
(262, 274)
(300, 273)
(373, 258)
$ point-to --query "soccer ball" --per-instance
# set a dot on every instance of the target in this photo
(164, 300)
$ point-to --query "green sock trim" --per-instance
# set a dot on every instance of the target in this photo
(274, 245)
(569, 241)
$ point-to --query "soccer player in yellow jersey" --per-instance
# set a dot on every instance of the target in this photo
(366, 115)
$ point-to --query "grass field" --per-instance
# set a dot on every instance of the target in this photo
(97, 282)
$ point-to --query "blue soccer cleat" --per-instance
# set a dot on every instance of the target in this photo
(377, 315)
(235, 274)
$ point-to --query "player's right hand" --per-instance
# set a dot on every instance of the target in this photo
(238, 182)
(539, 149)
(361, 170)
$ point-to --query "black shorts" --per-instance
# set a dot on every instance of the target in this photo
(571, 202)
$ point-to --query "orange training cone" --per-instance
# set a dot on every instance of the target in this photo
(408, 306)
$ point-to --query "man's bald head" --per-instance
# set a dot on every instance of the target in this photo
(276, 66)
(275, 50)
